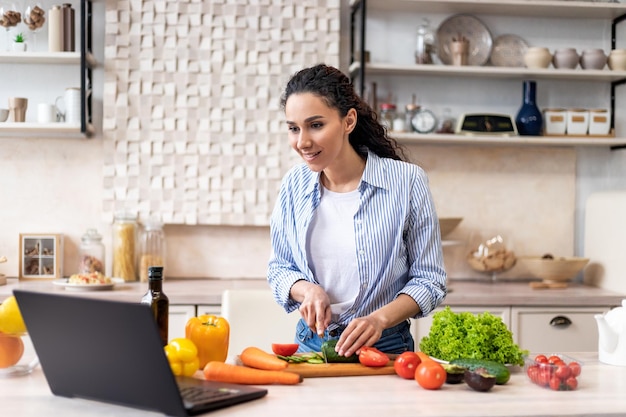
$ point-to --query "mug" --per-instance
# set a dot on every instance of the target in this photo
(71, 105)
(17, 109)
(47, 113)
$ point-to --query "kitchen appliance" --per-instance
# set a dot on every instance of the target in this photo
(486, 124)
(612, 336)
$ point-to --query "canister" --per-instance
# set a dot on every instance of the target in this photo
(599, 122)
(555, 121)
(68, 28)
(91, 253)
(124, 238)
(577, 122)
(55, 29)
(151, 248)
(387, 115)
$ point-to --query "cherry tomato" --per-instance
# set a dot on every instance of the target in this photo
(575, 368)
(541, 359)
(533, 372)
(544, 375)
(562, 372)
(571, 383)
(284, 349)
(430, 375)
(555, 383)
(370, 356)
(554, 359)
(406, 364)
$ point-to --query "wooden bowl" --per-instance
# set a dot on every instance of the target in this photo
(558, 269)
(448, 224)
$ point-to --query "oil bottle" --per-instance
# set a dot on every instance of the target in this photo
(158, 301)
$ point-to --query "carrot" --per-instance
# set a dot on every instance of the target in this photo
(424, 357)
(260, 359)
(236, 374)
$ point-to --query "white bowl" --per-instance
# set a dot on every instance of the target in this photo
(4, 115)
(537, 57)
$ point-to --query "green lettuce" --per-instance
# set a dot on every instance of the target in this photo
(467, 335)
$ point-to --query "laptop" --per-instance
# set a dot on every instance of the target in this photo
(111, 351)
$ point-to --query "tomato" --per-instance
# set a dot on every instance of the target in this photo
(554, 359)
(575, 368)
(533, 373)
(284, 349)
(562, 372)
(406, 364)
(555, 383)
(571, 383)
(430, 375)
(541, 359)
(544, 375)
(370, 356)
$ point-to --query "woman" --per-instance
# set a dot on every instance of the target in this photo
(355, 237)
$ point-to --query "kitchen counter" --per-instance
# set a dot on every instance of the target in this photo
(600, 393)
(463, 292)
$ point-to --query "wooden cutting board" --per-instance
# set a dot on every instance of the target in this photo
(310, 370)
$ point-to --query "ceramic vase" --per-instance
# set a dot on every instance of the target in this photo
(529, 120)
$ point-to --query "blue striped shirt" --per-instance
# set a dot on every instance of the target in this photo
(398, 241)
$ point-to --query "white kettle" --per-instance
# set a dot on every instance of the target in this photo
(612, 336)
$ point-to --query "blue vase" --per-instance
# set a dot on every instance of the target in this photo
(529, 121)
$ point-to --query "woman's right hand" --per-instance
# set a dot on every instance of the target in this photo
(314, 305)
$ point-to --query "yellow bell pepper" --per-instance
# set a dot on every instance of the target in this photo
(11, 321)
(182, 355)
(210, 334)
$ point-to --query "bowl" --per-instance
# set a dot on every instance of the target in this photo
(617, 60)
(17, 355)
(537, 57)
(594, 59)
(555, 269)
(554, 371)
(448, 224)
(4, 115)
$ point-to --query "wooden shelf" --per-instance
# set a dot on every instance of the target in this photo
(604, 75)
(539, 8)
(451, 139)
(59, 58)
(44, 129)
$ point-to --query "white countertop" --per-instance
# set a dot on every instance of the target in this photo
(463, 292)
(600, 393)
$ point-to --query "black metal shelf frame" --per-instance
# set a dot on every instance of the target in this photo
(86, 70)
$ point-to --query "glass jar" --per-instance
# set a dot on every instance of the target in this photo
(124, 236)
(151, 248)
(425, 45)
(387, 115)
(91, 253)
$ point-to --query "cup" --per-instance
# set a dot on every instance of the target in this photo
(460, 52)
(4, 115)
(47, 113)
(71, 104)
(17, 109)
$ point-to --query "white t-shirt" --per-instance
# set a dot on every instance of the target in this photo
(332, 249)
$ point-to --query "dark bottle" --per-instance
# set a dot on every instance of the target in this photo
(157, 300)
(529, 120)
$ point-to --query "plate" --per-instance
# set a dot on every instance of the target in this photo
(508, 51)
(462, 25)
(87, 287)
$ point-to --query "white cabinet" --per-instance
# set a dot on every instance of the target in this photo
(537, 329)
(179, 314)
(209, 309)
(386, 29)
(555, 330)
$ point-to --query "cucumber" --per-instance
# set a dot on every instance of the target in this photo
(497, 369)
(328, 350)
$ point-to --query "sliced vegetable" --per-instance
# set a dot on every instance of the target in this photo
(211, 335)
(224, 372)
(182, 356)
(260, 359)
(500, 371)
(284, 349)
(310, 357)
(370, 356)
(454, 373)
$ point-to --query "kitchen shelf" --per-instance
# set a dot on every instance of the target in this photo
(47, 129)
(452, 139)
(527, 8)
(604, 75)
(47, 58)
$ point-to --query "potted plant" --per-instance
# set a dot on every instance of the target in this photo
(19, 42)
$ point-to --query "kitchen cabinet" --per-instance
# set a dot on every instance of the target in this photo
(386, 29)
(178, 317)
(537, 329)
(82, 59)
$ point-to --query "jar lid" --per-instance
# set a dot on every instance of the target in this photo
(412, 107)
(91, 234)
(153, 225)
(387, 106)
(125, 215)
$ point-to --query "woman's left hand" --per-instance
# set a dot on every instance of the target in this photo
(362, 331)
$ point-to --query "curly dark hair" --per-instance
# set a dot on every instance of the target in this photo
(336, 89)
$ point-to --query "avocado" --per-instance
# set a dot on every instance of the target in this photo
(497, 369)
(454, 373)
(479, 379)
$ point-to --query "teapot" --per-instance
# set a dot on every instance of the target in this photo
(612, 336)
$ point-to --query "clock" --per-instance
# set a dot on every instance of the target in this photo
(424, 121)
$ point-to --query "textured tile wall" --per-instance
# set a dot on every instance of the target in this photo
(192, 126)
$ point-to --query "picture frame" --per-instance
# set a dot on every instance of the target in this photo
(41, 256)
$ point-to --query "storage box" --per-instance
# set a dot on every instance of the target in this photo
(577, 122)
(41, 256)
(599, 122)
(555, 121)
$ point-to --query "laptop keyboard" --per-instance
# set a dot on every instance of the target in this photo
(194, 395)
